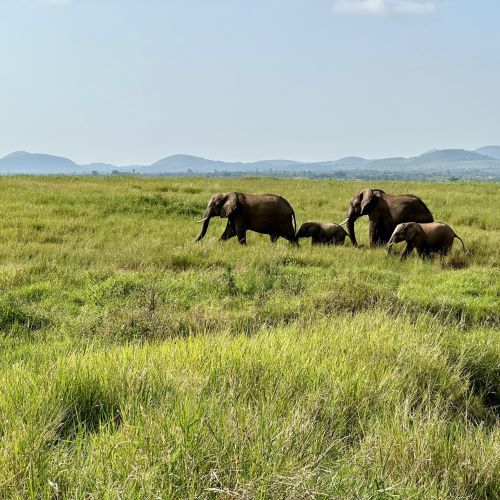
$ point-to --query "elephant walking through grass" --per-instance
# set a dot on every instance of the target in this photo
(322, 233)
(263, 213)
(385, 212)
(434, 237)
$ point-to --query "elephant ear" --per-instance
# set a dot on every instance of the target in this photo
(366, 197)
(230, 205)
(413, 229)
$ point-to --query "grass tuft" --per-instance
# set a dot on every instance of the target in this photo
(86, 406)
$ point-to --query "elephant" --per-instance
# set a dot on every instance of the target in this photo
(322, 232)
(263, 213)
(426, 238)
(385, 212)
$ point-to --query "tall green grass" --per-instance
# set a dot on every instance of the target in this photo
(136, 363)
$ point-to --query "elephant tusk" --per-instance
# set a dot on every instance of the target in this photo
(202, 220)
(342, 223)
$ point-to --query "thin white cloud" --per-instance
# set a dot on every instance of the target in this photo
(387, 7)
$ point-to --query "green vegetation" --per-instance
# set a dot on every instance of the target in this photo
(136, 363)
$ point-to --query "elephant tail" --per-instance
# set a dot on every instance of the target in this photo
(458, 238)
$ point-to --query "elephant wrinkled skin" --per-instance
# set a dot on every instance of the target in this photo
(385, 212)
(322, 233)
(263, 213)
(434, 237)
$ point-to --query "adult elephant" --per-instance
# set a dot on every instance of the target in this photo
(385, 212)
(263, 213)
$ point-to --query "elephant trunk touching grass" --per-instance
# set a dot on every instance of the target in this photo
(350, 230)
(353, 214)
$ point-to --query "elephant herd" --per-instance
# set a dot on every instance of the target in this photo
(392, 219)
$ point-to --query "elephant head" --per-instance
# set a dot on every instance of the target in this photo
(223, 205)
(361, 204)
(307, 230)
(407, 231)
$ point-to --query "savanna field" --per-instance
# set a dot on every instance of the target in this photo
(135, 363)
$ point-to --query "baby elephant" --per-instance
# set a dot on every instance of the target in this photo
(426, 238)
(322, 232)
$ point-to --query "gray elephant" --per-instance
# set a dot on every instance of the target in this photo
(433, 237)
(322, 233)
(263, 213)
(385, 212)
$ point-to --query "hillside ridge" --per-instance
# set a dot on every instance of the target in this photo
(482, 163)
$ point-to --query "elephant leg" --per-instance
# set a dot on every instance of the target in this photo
(373, 233)
(407, 250)
(229, 232)
(377, 234)
(424, 254)
(241, 233)
(384, 233)
(274, 237)
(289, 235)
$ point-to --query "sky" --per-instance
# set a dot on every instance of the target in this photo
(132, 81)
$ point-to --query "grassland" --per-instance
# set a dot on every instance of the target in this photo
(136, 363)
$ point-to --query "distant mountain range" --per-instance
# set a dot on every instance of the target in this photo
(482, 163)
(22, 162)
(493, 151)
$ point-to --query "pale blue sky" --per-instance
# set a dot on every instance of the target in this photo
(131, 81)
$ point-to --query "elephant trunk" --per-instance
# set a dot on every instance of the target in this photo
(390, 243)
(206, 220)
(350, 231)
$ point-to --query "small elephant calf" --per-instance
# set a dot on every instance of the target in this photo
(322, 233)
(427, 238)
